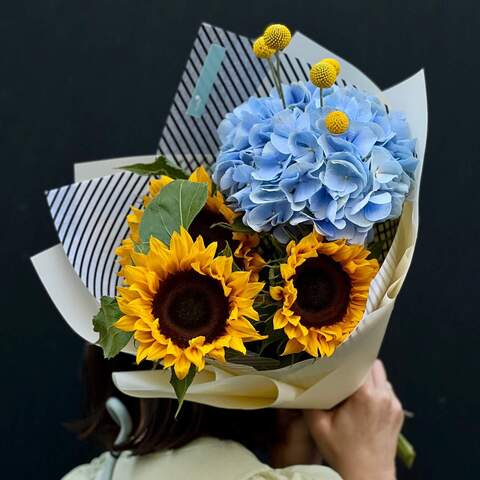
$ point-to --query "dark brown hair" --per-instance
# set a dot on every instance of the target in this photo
(154, 425)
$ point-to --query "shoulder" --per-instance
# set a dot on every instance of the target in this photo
(298, 472)
(209, 458)
(214, 458)
(88, 471)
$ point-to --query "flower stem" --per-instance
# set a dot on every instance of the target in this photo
(279, 79)
(405, 451)
(275, 78)
(321, 98)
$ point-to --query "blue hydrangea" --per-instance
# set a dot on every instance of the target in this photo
(283, 167)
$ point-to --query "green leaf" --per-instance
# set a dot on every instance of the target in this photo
(376, 249)
(252, 359)
(181, 386)
(161, 166)
(112, 340)
(227, 252)
(177, 204)
(273, 337)
(236, 226)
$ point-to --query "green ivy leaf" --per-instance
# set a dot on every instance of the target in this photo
(181, 386)
(252, 359)
(112, 340)
(161, 166)
(177, 204)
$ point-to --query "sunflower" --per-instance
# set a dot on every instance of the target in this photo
(184, 304)
(324, 293)
(215, 211)
(246, 245)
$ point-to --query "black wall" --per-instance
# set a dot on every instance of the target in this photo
(85, 80)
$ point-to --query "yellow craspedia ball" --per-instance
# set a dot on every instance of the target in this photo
(334, 63)
(323, 75)
(277, 36)
(260, 49)
(337, 122)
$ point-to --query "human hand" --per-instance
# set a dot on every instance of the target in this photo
(359, 437)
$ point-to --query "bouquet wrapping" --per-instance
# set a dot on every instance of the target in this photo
(89, 216)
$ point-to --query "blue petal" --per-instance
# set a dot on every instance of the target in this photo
(280, 143)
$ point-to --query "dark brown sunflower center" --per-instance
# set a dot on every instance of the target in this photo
(201, 226)
(323, 292)
(189, 305)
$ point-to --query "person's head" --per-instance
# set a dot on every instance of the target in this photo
(154, 425)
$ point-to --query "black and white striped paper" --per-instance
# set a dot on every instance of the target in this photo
(90, 218)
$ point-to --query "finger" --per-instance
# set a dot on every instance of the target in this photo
(379, 374)
(369, 382)
(318, 420)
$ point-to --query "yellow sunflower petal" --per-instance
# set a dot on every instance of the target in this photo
(217, 354)
(126, 323)
(200, 175)
(293, 346)
(237, 344)
(182, 366)
(195, 355)
(156, 352)
(279, 320)
(276, 293)
(142, 352)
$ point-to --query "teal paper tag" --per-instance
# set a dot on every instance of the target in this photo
(205, 81)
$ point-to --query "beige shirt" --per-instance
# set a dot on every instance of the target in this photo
(202, 459)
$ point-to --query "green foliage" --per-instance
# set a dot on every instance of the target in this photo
(236, 226)
(177, 204)
(227, 252)
(251, 358)
(274, 336)
(112, 340)
(181, 386)
(376, 250)
(161, 166)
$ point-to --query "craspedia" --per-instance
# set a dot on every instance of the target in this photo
(323, 75)
(260, 49)
(277, 36)
(334, 63)
(337, 122)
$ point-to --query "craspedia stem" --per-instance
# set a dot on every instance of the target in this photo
(274, 73)
(276, 81)
(321, 98)
(277, 58)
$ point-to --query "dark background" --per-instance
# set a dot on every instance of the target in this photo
(83, 80)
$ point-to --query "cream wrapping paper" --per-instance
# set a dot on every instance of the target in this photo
(315, 383)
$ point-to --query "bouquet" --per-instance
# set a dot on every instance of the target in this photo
(265, 275)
